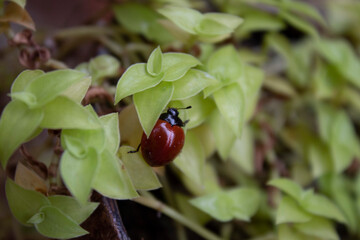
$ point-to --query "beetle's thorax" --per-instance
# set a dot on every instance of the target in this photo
(172, 117)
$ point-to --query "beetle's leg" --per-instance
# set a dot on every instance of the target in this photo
(137, 149)
(186, 121)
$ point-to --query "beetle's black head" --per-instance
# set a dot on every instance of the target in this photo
(173, 112)
(172, 117)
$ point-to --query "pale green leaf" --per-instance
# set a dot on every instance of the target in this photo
(185, 18)
(209, 27)
(321, 206)
(344, 142)
(300, 24)
(79, 174)
(64, 113)
(192, 83)
(201, 109)
(188, 210)
(288, 186)
(224, 135)
(251, 85)
(70, 207)
(304, 9)
(259, 21)
(342, 56)
(210, 185)
(289, 211)
(110, 124)
(37, 218)
(297, 57)
(280, 86)
(327, 81)
(176, 65)
(154, 63)
(24, 79)
(83, 67)
(86, 137)
(337, 130)
(326, 114)
(112, 179)
(338, 188)
(285, 232)
(206, 135)
(78, 90)
(76, 147)
(103, 66)
(319, 157)
(134, 80)
(17, 124)
(318, 227)
(25, 97)
(240, 203)
(191, 159)
(23, 203)
(225, 65)
(150, 103)
(48, 86)
(135, 17)
(58, 225)
(228, 20)
(346, 203)
(245, 202)
(230, 101)
(141, 174)
(217, 205)
(139, 18)
(242, 152)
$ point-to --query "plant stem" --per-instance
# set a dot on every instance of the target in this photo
(84, 31)
(180, 230)
(153, 203)
(56, 64)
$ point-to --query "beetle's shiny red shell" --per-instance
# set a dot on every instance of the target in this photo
(163, 145)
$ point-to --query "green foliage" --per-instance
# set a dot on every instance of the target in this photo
(153, 89)
(138, 18)
(240, 203)
(308, 212)
(36, 96)
(274, 90)
(191, 160)
(103, 66)
(54, 216)
(141, 174)
(208, 27)
(90, 161)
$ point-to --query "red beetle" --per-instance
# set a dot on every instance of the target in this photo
(165, 141)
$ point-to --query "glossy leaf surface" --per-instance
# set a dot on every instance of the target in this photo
(134, 80)
(112, 179)
(14, 130)
(23, 203)
(71, 207)
(241, 203)
(58, 225)
(191, 159)
(67, 114)
(78, 174)
(141, 174)
(149, 104)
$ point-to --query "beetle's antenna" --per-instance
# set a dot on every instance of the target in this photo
(188, 107)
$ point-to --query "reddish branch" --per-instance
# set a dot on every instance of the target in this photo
(32, 55)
